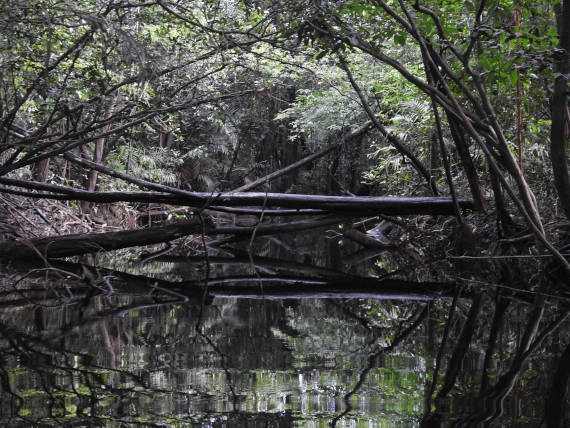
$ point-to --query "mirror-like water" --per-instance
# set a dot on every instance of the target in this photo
(250, 363)
(81, 347)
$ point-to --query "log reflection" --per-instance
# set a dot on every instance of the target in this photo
(270, 341)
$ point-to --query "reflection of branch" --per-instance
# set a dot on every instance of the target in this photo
(287, 287)
(455, 361)
(37, 298)
(252, 239)
(372, 362)
(501, 306)
(223, 364)
(556, 400)
(276, 286)
(206, 260)
(120, 312)
(82, 277)
(269, 263)
(110, 345)
(320, 284)
(442, 348)
(374, 330)
(492, 403)
(461, 347)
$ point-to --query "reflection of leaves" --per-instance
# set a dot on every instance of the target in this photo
(324, 338)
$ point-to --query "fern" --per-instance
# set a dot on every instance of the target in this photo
(158, 164)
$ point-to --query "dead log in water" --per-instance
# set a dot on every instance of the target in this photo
(364, 205)
(71, 245)
(78, 244)
(85, 243)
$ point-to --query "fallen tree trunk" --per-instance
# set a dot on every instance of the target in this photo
(362, 204)
(73, 245)
(238, 216)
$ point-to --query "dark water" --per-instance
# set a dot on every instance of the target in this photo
(73, 354)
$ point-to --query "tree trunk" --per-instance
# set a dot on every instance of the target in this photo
(165, 139)
(467, 164)
(41, 170)
(97, 158)
(559, 132)
(434, 155)
(92, 179)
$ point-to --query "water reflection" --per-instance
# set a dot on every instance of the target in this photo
(253, 359)
(98, 347)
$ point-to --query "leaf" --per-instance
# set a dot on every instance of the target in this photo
(513, 76)
(400, 39)
(320, 55)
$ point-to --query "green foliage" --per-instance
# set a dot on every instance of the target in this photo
(75, 70)
(157, 164)
(318, 114)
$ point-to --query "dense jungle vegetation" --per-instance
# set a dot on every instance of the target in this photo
(99, 99)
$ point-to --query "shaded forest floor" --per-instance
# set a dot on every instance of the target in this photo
(26, 218)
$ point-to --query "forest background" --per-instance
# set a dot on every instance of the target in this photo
(99, 99)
